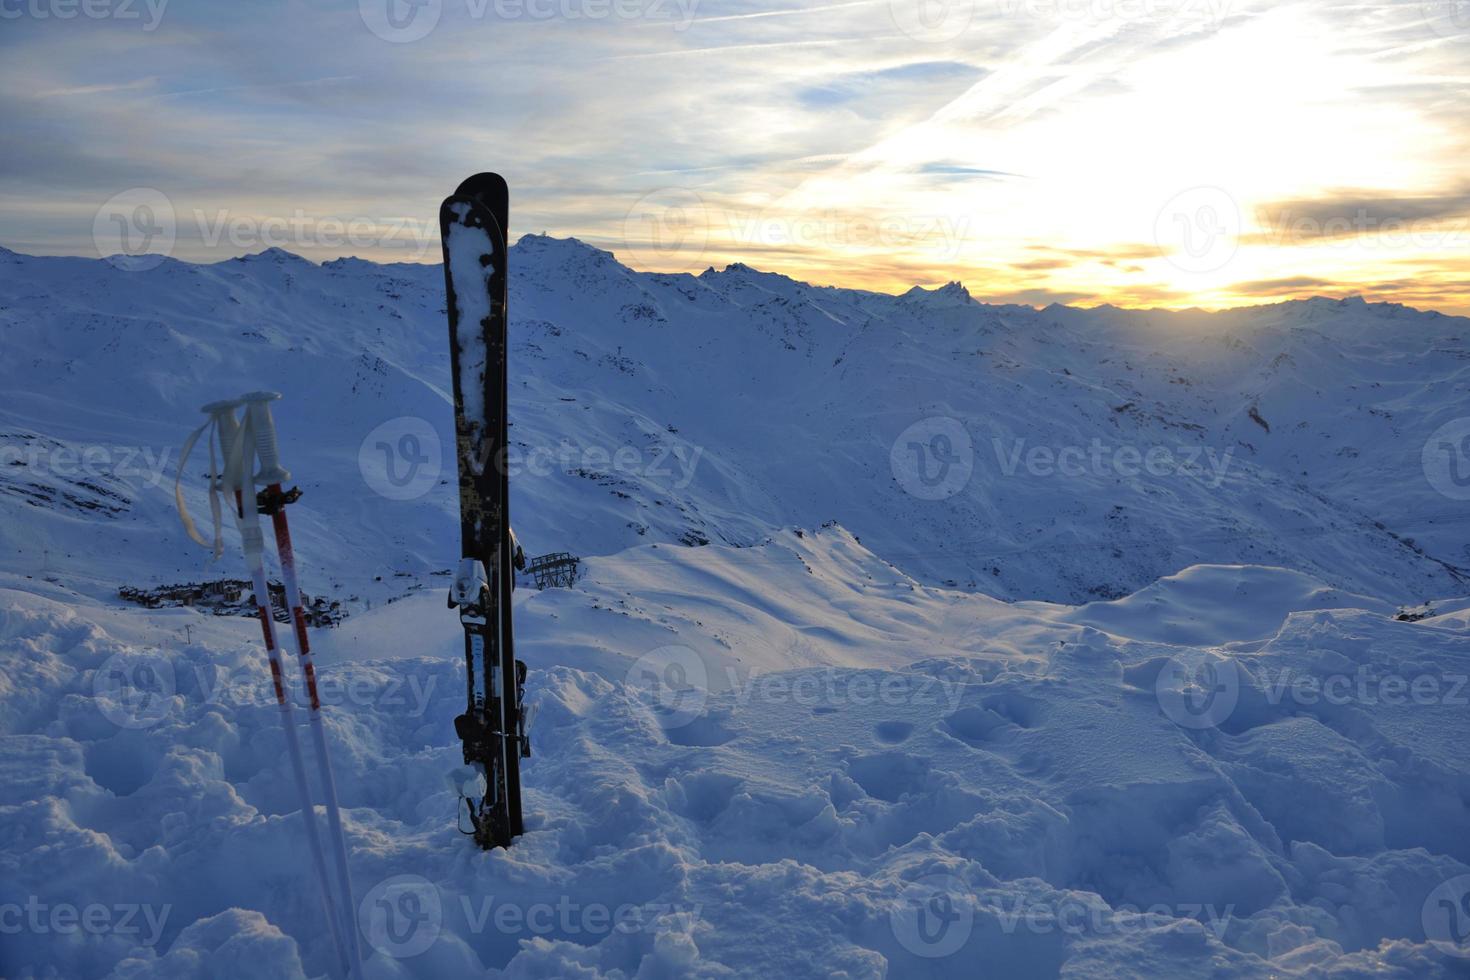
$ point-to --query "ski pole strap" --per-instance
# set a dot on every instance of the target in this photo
(228, 471)
(215, 411)
(190, 528)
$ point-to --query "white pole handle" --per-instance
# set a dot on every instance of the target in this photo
(259, 419)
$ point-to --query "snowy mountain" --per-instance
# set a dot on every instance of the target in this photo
(718, 407)
(938, 711)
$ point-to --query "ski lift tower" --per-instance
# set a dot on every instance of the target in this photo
(556, 569)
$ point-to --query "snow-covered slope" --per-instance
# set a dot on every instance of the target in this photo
(819, 706)
(714, 408)
(860, 776)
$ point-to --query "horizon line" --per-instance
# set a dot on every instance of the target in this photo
(998, 301)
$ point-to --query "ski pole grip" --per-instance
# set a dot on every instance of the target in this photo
(258, 405)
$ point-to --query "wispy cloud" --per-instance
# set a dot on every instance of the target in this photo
(99, 89)
(788, 12)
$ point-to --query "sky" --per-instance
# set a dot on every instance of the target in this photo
(1169, 153)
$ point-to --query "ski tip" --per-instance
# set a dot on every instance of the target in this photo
(489, 187)
(467, 210)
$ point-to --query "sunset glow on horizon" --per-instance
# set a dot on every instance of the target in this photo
(1147, 153)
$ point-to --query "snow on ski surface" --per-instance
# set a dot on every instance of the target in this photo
(467, 245)
(965, 707)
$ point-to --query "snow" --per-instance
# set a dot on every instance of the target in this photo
(797, 750)
(467, 246)
(742, 402)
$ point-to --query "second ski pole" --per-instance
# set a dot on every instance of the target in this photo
(272, 501)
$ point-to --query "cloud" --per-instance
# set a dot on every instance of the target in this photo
(1277, 287)
(1352, 213)
(869, 90)
(1107, 255)
(795, 109)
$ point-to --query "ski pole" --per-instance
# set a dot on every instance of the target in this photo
(235, 479)
(272, 475)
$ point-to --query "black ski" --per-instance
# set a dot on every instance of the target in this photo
(473, 226)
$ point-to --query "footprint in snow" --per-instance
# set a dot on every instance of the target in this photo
(893, 732)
